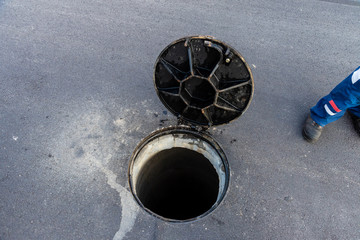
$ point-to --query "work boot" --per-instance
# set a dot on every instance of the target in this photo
(356, 121)
(311, 131)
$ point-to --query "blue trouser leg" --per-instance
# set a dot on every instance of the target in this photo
(345, 96)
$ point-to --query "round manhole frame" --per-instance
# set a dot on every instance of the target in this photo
(182, 129)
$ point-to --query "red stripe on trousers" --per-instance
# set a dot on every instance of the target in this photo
(334, 106)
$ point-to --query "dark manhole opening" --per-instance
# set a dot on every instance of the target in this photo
(178, 175)
(178, 183)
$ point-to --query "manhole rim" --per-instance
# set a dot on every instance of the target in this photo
(184, 130)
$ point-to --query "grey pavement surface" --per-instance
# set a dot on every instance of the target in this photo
(76, 97)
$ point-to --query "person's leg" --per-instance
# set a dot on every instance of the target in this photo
(326, 111)
(333, 106)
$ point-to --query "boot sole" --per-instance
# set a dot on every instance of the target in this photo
(306, 137)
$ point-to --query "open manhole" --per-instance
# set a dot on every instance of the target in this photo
(181, 173)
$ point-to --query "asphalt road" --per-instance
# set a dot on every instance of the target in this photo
(76, 97)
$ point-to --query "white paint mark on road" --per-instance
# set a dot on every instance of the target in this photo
(81, 154)
(78, 149)
(120, 122)
(129, 207)
(15, 138)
